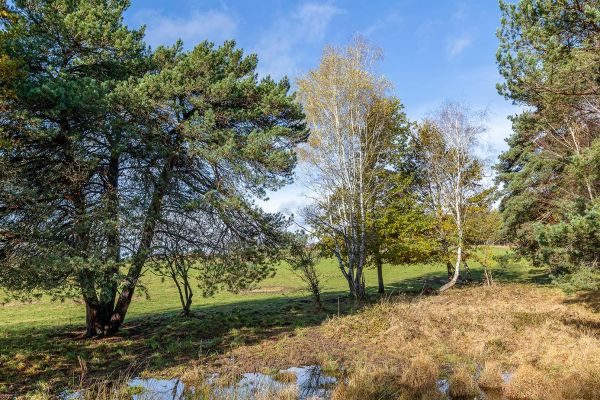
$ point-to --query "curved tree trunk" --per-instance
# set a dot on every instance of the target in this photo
(454, 279)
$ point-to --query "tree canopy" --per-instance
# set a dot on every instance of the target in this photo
(548, 56)
(111, 150)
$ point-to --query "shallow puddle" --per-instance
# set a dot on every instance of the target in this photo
(157, 389)
(310, 383)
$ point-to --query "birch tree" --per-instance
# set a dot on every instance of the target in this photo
(452, 171)
(349, 111)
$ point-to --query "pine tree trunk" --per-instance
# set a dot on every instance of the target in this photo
(151, 219)
(97, 317)
(91, 320)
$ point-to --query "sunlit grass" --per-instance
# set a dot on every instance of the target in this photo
(41, 342)
(161, 295)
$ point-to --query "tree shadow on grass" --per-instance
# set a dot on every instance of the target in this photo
(591, 301)
(435, 280)
(155, 342)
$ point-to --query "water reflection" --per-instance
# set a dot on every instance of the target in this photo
(310, 383)
(157, 389)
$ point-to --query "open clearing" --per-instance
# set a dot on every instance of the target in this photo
(519, 327)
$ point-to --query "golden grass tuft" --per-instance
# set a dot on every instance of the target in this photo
(329, 366)
(581, 385)
(369, 383)
(421, 375)
(461, 384)
(514, 325)
(491, 376)
(289, 392)
(528, 383)
(432, 394)
(285, 377)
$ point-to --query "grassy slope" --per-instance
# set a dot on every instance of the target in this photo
(162, 296)
(547, 341)
(38, 342)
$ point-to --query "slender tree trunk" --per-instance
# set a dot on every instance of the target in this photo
(358, 285)
(379, 264)
(189, 294)
(454, 279)
(187, 308)
(317, 298)
(458, 217)
(467, 271)
(152, 217)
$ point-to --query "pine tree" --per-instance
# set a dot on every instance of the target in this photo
(108, 145)
(549, 55)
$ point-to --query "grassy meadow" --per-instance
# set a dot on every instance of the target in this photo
(41, 348)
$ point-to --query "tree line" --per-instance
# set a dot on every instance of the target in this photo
(385, 189)
(116, 159)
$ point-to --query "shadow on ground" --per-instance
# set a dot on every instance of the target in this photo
(156, 342)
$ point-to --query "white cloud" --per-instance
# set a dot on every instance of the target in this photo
(289, 200)
(461, 12)
(314, 19)
(392, 19)
(457, 45)
(280, 49)
(213, 25)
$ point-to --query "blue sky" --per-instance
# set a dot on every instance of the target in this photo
(434, 50)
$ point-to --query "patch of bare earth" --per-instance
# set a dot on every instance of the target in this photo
(548, 341)
(270, 289)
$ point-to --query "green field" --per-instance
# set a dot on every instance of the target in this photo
(161, 295)
(40, 342)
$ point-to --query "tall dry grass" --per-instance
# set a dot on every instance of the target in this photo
(521, 329)
(400, 348)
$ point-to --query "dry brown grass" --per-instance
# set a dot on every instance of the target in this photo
(369, 383)
(285, 376)
(515, 328)
(491, 376)
(289, 392)
(528, 383)
(390, 383)
(421, 375)
(462, 385)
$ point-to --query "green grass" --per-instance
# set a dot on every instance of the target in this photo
(161, 295)
(40, 341)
